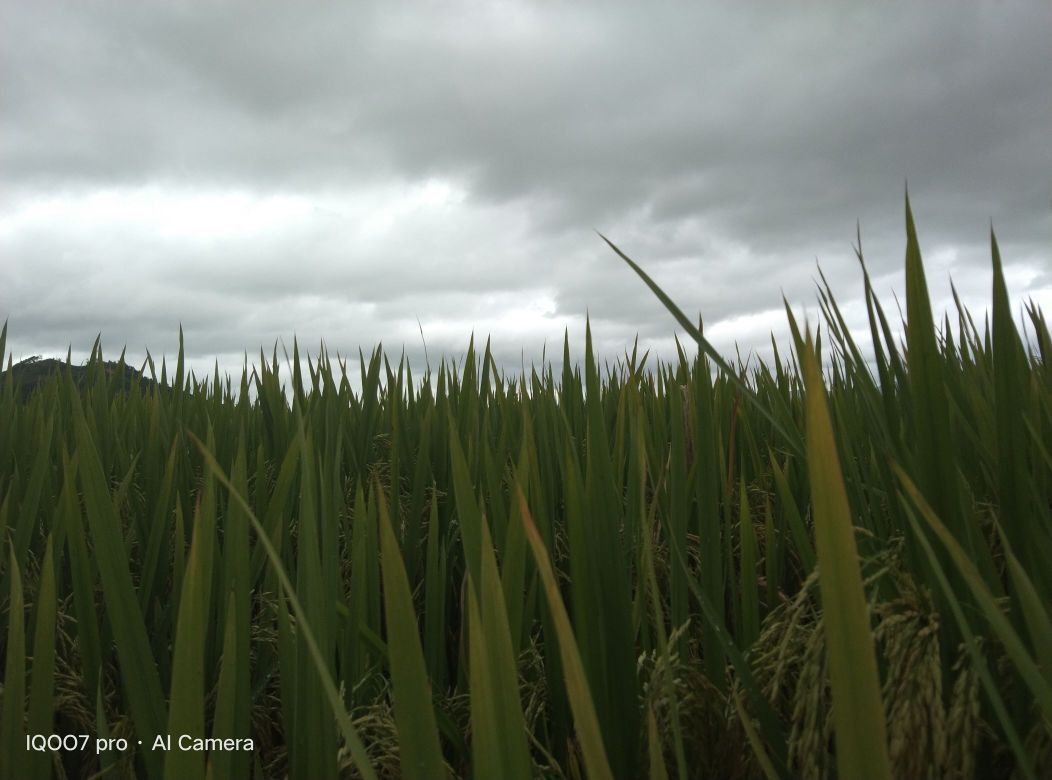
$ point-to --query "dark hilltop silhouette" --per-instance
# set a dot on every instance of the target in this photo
(29, 374)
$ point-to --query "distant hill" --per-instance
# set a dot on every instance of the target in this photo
(30, 373)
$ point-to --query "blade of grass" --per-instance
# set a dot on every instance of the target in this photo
(499, 732)
(858, 710)
(142, 684)
(585, 719)
(753, 736)
(657, 761)
(420, 752)
(750, 597)
(186, 710)
(792, 437)
(1033, 608)
(485, 738)
(12, 726)
(223, 763)
(350, 734)
(42, 687)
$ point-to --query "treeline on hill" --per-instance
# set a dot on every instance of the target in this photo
(29, 374)
(682, 569)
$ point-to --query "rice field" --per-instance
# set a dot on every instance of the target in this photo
(638, 569)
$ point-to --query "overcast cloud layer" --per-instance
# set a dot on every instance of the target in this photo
(258, 171)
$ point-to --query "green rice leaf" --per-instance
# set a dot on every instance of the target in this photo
(142, 684)
(657, 761)
(1033, 607)
(186, 711)
(792, 437)
(42, 688)
(753, 736)
(584, 716)
(223, 763)
(350, 734)
(858, 710)
(12, 726)
(419, 749)
(499, 746)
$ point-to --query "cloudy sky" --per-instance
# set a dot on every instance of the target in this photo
(262, 171)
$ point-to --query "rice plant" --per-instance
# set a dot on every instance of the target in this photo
(819, 566)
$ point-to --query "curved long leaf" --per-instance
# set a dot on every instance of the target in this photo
(792, 437)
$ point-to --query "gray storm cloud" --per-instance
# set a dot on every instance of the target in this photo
(258, 171)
